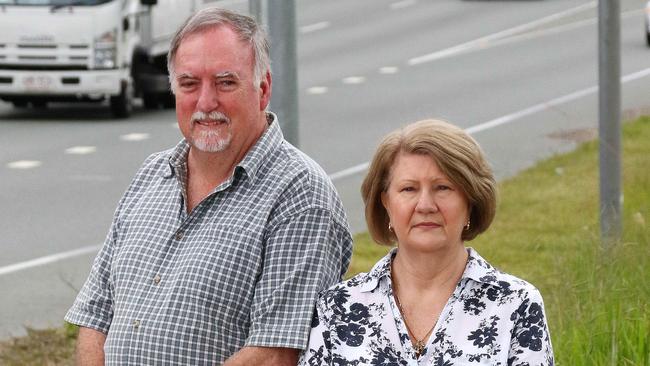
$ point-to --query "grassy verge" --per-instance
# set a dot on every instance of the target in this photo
(547, 232)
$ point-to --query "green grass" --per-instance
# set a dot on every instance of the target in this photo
(547, 232)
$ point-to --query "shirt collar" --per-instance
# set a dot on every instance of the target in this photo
(267, 143)
(477, 269)
(270, 140)
(380, 270)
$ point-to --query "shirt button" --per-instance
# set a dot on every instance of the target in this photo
(136, 324)
(156, 279)
(179, 235)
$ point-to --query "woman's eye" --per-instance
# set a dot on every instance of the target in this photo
(407, 189)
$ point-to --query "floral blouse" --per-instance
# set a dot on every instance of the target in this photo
(492, 318)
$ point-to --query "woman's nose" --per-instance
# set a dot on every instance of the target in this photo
(426, 202)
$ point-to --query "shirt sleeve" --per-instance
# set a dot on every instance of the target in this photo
(304, 254)
(318, 351)
(530, 344)
(93, 307)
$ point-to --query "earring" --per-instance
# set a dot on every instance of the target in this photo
(390, 227)
(467, 226)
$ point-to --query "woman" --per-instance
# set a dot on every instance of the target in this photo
(431, 300)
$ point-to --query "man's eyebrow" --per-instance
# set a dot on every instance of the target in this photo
(226, 74)
(185, 75)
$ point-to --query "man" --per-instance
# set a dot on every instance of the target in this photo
(219, 246)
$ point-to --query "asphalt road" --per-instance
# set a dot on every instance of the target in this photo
(523, 71)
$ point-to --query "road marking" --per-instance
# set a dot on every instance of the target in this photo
(315, 90)
(134, 137)
(557, 29)
(80, 150)
(388, 70)
(24, 164)
(47, 259)
(402, 4)
(483, 41)
(510, 117)
(350, 80)
(314, 27)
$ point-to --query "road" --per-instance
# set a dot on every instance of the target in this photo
(524, 72)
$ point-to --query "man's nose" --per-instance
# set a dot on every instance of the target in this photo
(208, 98)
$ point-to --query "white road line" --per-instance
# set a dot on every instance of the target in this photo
(557, 29)
(480, 42)
(315, 90)
(402, 4)
(510, 117)
(134, 137)
(47, 259)
(80, 150)
(386, 70)
(314, 27)
(24, 164)
(350, 80)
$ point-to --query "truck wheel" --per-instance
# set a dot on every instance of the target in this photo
(150, 100)
(122, 104)
(169, 100)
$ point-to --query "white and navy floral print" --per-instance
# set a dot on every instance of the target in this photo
(492, 318)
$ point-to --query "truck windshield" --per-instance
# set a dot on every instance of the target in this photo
(54, 2)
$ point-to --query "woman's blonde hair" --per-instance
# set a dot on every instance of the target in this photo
(457, 155)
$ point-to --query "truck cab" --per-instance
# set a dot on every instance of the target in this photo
(90, 50)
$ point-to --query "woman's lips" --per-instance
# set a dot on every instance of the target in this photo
(427, 225)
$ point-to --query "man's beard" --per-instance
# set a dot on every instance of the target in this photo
(209, 140)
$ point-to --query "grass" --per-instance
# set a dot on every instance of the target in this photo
(547, 232)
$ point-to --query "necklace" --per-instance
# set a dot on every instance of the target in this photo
(419, 344)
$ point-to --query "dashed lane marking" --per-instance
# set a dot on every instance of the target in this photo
(134, 137)
(24, 164)
(81, 150)
(386, 70)
(351, 80)
(315, 90)
(314, 27)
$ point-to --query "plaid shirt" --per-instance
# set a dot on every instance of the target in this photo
(242, 269)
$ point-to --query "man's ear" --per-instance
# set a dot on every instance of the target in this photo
(265, 90)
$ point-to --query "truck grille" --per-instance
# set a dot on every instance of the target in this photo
(45, 56)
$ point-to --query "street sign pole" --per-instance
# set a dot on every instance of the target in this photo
(281, 15)
(609, 82)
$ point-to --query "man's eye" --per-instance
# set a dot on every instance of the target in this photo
(186, 84)
(227, 84)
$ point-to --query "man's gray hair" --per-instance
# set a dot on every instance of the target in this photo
(244, 26)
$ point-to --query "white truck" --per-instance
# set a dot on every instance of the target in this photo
(91, 50)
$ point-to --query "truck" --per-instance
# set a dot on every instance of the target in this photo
(91, 50)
